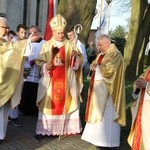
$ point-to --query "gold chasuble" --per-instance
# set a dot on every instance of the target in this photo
(60, 88)
(111, 67)
(11, 56)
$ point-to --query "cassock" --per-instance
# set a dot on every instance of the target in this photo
(28, 100)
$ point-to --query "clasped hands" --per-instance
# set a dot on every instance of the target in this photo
(141, 83)
(93, 66)
(74, 53)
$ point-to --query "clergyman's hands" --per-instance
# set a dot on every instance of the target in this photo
(141, 83)
(93, 66)
(48, 66)
(74, 53)
(33, 37)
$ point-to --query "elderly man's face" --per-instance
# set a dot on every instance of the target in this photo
(3, 28)
(102, 45)
(58, 35)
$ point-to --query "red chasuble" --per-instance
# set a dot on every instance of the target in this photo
(58, 85)
(137, 125)
(91, 88)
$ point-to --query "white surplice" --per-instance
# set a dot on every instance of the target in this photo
(58, 124)
(105, 133)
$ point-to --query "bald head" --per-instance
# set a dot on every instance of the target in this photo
(3, 26)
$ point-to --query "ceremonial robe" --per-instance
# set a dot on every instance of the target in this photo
(59, 91)
(105, 110)
(139, 136)
(11, 57)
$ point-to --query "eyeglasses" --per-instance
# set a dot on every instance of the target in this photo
(4, 27)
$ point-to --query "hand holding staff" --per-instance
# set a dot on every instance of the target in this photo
(77, 30)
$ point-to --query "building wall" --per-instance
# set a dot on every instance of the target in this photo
(31, 12)
(13, 10)
(43, 16)
(3, 8)
(14, 13)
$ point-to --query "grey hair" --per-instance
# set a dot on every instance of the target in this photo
(3, 19)
(36, 27)
(104, 36)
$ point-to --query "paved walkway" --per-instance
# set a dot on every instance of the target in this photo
(22, 138)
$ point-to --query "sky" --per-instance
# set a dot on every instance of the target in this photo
(118, 16)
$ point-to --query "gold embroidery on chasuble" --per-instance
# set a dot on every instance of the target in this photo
(58, 84)
(58, 95)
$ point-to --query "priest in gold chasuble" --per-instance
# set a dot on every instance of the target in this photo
(11, 57)
(60, 85)
(105, 109)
